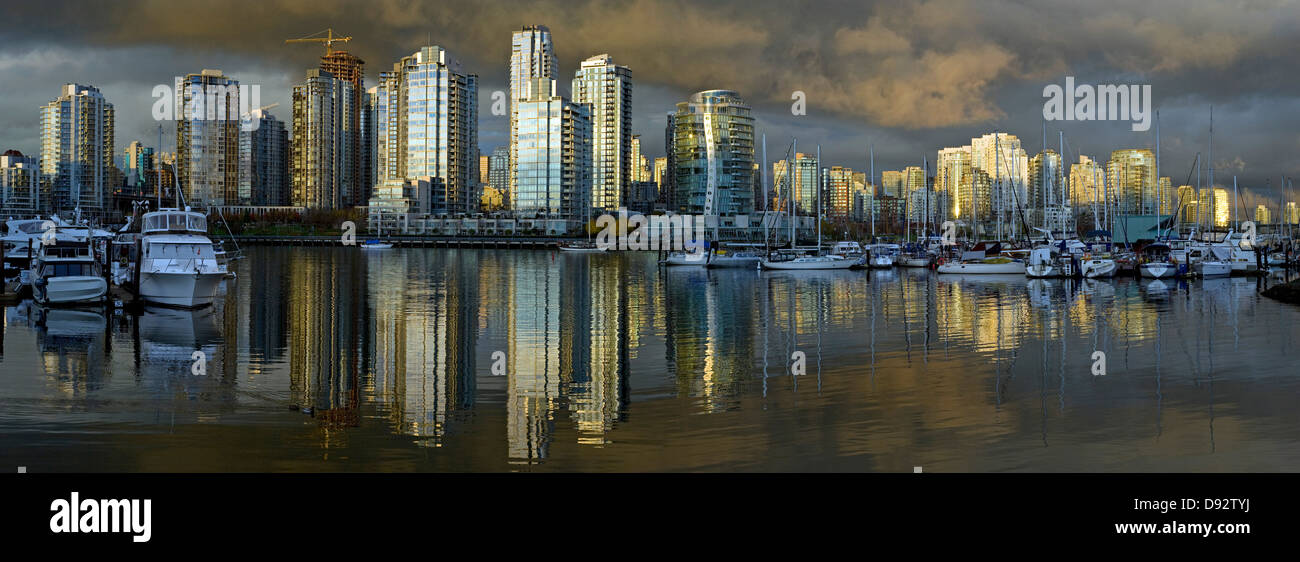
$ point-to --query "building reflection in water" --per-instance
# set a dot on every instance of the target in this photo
(426, 328)
(610, 352)
(329, 330)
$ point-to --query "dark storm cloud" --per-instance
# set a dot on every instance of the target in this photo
(908, 77)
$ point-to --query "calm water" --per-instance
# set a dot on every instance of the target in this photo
(333, 359)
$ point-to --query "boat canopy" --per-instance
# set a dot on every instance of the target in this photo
(174, 220)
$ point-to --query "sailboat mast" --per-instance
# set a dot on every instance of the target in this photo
(817, 181)
(762, 171)
(1060, 175)
(1159, 194)
(997, 173)
(872, 149)
(1211, 160)
(789, 182)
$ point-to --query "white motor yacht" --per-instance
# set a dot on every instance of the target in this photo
(177, 265)
(64, 270)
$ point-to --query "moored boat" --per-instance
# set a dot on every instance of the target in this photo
(65, 271)
(177, 265)
(829, 261)
(985, 266)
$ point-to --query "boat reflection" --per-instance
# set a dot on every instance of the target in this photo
(72, 344)
(467, 359)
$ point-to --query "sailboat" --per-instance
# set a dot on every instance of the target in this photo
(977, 261)
(377, 243)
(1156, 264)
(587, 245)
(883, 256)
(819, 260)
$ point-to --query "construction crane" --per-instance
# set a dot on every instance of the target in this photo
(258, 110)
(329, 39)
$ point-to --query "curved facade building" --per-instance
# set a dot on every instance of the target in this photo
(713, 145)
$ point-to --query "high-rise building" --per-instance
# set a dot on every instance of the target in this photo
(913, 179)
(713, 154)
(20, 184)
(532, 69)
(1086, 182)
(1131, 180)
(638, 170)
(1046, 203)
(1188, 208)
(863, 199)
(368, 173)
(207, 139)
(1000, 156)
(606, 89)
(668, 187)
(426, 116)
(1166, 195)
(77, 149)
(891, 183)
(321, 154)
(552, 160)
(840, 189)
(661, 171)
(1045, 180)
(953, 179)
(264, 177)
(346, 67)
(1291, 214)
(139, 166)
(484, 168)
(803, 184)
(499, 169)
(1213, 208)
(1262, 215)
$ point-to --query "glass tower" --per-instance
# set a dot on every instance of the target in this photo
(713, 154)
(606, 88)
(77, 148)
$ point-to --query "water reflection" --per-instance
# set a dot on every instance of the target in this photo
(323, 359)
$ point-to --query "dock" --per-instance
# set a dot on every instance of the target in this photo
(488, 242)
(13, 293)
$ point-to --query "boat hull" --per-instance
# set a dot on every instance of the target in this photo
(1039, 271)
(809, 265)
(1096, 269)
(914, 262)
(881, 262)
(72, 290)
(1213, 269)
(983, 268)
(696, 259)
(1157, 270)
(728, 261)
(184, 290)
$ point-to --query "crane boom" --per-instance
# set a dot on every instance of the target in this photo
(329, 40)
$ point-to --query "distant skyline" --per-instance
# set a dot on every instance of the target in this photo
(908, 77)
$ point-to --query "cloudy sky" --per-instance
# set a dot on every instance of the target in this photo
(905, 76)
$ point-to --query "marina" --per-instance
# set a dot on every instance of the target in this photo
(339, 359)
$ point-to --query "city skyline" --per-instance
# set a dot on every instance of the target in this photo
(1250, 142)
